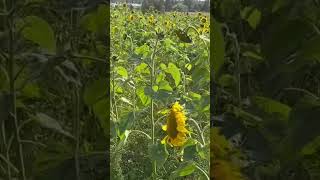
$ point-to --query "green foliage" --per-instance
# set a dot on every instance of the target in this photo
(265, 59)
(54, 101)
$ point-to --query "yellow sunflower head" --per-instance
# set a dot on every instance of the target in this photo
(130, 17)
(176, 126)
(151, 19)
(204, 19)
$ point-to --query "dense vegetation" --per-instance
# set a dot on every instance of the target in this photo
(53, 90)
(156, 60)
(266, 90)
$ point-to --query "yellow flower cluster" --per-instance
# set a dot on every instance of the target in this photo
(176, 126)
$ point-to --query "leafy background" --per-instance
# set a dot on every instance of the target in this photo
(53, 89)
(266, 89)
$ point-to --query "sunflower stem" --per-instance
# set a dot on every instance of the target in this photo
(199, 132)
(152, 108)
(200, 169)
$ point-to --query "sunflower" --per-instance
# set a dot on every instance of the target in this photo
(175, 127)
(204, 19)
(151, 19)
(130, 17)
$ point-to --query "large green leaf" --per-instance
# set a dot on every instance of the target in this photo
(145, 100)
(122, 72)
(218, 47)
(164, 85)
(175, 73)
(40, 32)
(125, 122)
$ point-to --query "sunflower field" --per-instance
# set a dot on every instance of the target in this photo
(159, 94)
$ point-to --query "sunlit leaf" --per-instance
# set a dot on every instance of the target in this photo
(175, 73)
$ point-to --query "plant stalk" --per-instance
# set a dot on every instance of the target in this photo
(152, 107)
(77, 133)
(13, 111)
(3, 123)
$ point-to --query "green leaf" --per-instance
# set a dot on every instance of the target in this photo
(218, 50)
(252, 16)
(160, 77)
(195, 96)
(50, 123)
(142, 68)
(40, 32)
(125, 123)
(158, 153)
(164, 85)
(143, 50)
(145, 100)
(185, 169)
(175, 73)
(188, 66)
(272, 106)
(155, 88)
(96, 90)
(190, 152)
(122, 72)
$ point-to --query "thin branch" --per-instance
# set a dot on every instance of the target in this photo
(88, 57)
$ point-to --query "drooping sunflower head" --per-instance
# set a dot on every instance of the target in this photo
(175, 126)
